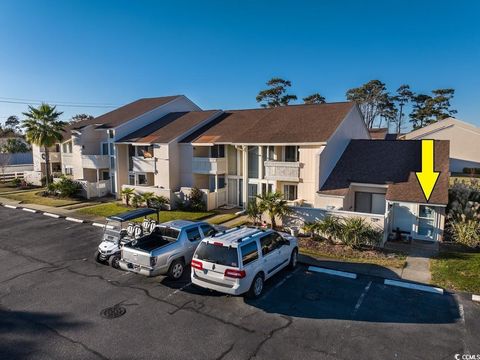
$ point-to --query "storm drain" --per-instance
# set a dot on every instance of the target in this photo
(113, 312)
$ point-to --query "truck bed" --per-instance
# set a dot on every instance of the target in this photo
(149, 243)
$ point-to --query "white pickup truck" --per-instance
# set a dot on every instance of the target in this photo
(166, 250)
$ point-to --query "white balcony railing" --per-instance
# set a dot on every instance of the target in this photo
(95, 161)
(54, 157)
(204, 165)
(141, 164)
(282, 170)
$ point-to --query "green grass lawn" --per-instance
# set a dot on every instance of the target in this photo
(219, 219)
(457, 271)
(109, 209)
(34, 197)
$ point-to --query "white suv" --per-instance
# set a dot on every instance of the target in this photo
(239, 260)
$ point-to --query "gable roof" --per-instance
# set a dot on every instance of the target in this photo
(389, 162)
(122, 114)
(169, 127)
(285, 124)
(439, 126)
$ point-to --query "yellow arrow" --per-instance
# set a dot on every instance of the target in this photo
(427, 178)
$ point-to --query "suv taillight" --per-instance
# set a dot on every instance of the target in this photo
(197, 264)
(233, 273)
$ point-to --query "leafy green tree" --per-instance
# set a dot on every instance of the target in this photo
(81, 117)
(275, 205)
(373, 100)
(314, 99)
(158, 202)
(276, 94)
(15, 146)
(43, 128)
(430, 109)
(401, 98)
(12, 122)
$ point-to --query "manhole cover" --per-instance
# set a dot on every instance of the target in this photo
(113, 312)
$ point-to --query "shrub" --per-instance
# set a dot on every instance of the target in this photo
(66, 187)
(196, 202)
(16, 182)
(127, 193)
(466, 232)
(136, 200)
(254, 212)
(330, 227)
(356, 232)
(44, 180)
(158, 202)
(146, 197)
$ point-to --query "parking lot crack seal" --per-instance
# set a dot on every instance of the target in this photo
(222, 355)
(271, 334)
(26, 273)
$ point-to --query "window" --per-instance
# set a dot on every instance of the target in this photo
(268, 153)
(426, 221)
(68, 171)
(252, 192)
(253, 162)
(104, 148)
(131, 179)
(208, 230)
(221, 182)
(145, 151)
(142, 179)
(269, 243)
(369, 203)
(290, 192)
(193, 234)
(110, 134)
(67, 147)
(217, 254)
(249, 252)
(112, 162)
(105, 175)
(291, 153)
(112, 149)
(217, 151)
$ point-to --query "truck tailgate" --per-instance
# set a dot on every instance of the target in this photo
(136, 257)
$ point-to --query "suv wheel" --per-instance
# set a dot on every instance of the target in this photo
(176, 269)
(257, 287)
(97, 256)
(293, 259)
(114, 260)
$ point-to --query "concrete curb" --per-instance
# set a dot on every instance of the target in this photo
(408, 285)
(332, 272)
(475, 298)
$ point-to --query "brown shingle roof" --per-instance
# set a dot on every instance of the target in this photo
(286, 124)
(169, 127)
(389, 162)
(122, 114)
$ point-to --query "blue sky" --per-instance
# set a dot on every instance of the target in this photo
(220, 53)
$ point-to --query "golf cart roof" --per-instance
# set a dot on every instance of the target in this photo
(130, 215)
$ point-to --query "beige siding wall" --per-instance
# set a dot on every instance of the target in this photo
(308, 173)
(186, 154)
(323, 201)
(122, 166)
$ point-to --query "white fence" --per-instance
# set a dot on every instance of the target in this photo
(10, 172)
(94, 189)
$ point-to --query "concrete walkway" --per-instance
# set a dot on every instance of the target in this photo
(418, 259)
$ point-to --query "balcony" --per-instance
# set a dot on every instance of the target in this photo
(141, 164)
(95, 161)
(205, 165)
(54, 157)
(282, 170)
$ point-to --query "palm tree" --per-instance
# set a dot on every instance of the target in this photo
(274, 204)
(147, 197)
(253, 212)
(127, 193)
(43, 128)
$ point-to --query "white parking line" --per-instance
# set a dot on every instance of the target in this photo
(29, 210)
(98, 224)
(332, 272)
(51, 215)
(360, 299)
(475, 297)
(177, 291)
(10, 206)
(74, 220)
(461, 311)
(408, 285)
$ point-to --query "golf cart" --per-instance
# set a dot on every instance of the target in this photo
(119, 231)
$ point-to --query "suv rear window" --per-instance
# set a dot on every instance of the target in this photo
(217, 254)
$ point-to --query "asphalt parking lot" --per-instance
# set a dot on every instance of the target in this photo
(53, 296)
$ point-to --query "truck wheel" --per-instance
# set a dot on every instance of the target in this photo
(176, 269)
(257, 287)
(293, 259)
(97, 256)
(114, 260)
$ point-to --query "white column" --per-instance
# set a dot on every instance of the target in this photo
(245, 173)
